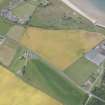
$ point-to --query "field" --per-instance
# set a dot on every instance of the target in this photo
(60, 48)
(81, 70)
(39, 74)
(34, 2)
(7, 52)
(16, 32)
(13, 91)
(24, 10)
(3, 3)
(62, 18)
(4, 26)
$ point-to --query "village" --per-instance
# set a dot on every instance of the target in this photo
(48, 49)
(7, 11)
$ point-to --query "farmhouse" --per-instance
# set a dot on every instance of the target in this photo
(13, 11)
(97, 55)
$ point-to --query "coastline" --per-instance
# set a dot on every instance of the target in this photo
(93, 19)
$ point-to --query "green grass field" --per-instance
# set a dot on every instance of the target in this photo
(62, 18)
(24, 10)
(16, 32)
(49, 80)
(33, 2)
(47, 17)
(3, 3)
(4, 26)
(81, 70)
(17, 64)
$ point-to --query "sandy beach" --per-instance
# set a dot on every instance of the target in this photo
(88, 10)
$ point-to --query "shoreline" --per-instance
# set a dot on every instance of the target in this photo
(78, 10)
